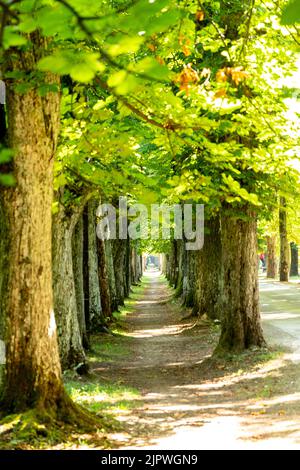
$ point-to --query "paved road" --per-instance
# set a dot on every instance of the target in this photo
(280, 307)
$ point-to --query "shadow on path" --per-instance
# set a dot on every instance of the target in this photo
(189, 401)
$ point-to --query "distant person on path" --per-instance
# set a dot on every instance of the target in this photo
(263, 261)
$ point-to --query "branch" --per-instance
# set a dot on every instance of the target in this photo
(248, 26)
(6, 8)
(80, 176)
(81, 23)
(218, 31)
(130, 106)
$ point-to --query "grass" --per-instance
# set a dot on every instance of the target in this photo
(119, 316)
(108, 350)
(97, 397)
(257, 356)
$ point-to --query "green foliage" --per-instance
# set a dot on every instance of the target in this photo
(81, 66)
(291, 13)
(168, 101)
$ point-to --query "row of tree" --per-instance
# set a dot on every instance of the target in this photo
(224, 274)
(221, 280)
(162, 101)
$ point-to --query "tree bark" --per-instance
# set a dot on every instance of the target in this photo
(208, 273)
(294, 271)
(65, 302)
(111, 275)
(94, 314)
(119, 257)
(271, 257)
(135, 266)
(284, 245)
(189, 278)
(173, 264)
(241, 326)
(3, 267)
(104, 281)
(179, 263)
(127, 268)
(3, 282)
(77, 250)
(33, 372)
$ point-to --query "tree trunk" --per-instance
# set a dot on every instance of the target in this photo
(119, 256)
(241, 327)
(284, 245)
(173, 264)
(189, 278)
(77, 250)
(294, 271)
(104, 281)
(271, 257)
(94, 315)
(65, 302)
(127, 268)
(111, 275)
(3, 267)
(33, 372)
(135, 266)
(208, 290)
(3, 282)
(179, 262)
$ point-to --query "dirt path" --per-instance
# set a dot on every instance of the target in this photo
(280, 308)
(189, 401)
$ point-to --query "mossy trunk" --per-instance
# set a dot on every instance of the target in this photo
(65, 301)
(33, 373)
(241, 325)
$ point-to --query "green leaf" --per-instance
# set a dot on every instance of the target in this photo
(117, 78)
(7, 180)
(81, 66)
(122, 82)
(152, 68)
(12, 38)
(6, 155)
(291, 13)
(126, 45)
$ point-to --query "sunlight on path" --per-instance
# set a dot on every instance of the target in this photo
(189, 403)
(280, 307)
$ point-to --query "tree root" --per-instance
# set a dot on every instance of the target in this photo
(48, 423)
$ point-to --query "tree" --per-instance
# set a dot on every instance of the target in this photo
(208, 271)
(33, 372)
(294, 269)
(271, 257)
(70, 334)
(284, 245)
(241, 326)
